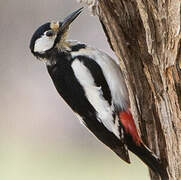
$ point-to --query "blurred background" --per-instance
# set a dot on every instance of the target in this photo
(40, 138)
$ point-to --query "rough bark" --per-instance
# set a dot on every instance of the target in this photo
(146, 37)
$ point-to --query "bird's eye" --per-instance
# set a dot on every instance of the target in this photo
(49, 33)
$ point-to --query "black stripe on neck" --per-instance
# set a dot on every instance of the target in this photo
(77, 47)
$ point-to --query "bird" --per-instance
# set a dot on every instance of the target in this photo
(93, 85)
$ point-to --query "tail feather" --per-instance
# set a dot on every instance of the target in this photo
(135, 144)
(149, 158)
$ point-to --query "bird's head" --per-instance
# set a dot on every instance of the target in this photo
(51, 36)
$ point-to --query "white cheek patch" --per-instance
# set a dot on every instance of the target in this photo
(44, 43)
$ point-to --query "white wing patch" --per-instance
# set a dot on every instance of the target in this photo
(112, 73)
(44, 43)
(94, 96)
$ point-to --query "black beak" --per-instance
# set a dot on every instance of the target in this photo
(69, 19)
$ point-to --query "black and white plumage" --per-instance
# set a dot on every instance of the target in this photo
(92, 84)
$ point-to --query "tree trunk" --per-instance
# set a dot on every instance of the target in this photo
(146, 37)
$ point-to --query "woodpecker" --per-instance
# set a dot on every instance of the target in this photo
(92, 84)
